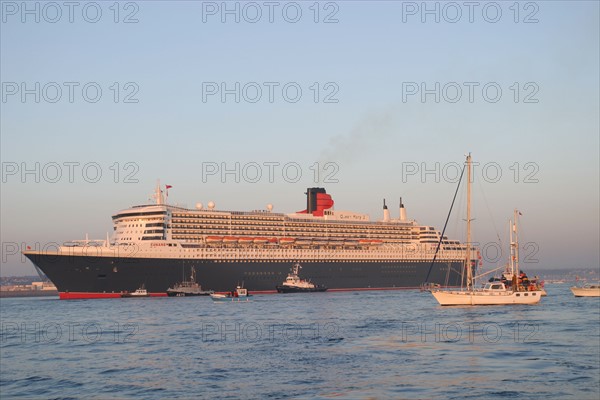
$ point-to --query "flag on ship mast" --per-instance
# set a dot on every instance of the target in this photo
(167, 187)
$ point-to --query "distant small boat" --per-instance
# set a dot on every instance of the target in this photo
(293, 283)
(240, 294)
(588, 290)
(141, 292)
(188, 288)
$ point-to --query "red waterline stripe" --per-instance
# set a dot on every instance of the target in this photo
(369, 289)
(340, 290)
(94, 295)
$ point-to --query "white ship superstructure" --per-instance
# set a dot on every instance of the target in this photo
(155, 228)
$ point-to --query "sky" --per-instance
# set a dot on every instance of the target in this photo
(250, 103)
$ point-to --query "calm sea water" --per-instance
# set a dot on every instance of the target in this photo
(326, 345)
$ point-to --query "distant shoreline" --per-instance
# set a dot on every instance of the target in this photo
(28, 293)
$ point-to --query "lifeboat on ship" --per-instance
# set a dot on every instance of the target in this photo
(286, 240)
(245, 241)
(214, 239)
(260, 240)
(230, 239)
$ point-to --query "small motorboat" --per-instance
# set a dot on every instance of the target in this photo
(587, 290)
(141, 292)
(293, 283)
(239, 294)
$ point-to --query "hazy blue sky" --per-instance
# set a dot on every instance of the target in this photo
(371, 66)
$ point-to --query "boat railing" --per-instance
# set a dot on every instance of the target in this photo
(429, 286)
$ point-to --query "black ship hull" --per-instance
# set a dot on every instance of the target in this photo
(95, 277)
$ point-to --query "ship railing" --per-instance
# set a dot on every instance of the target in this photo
(85, 242)
(235, 253)
(316, 254)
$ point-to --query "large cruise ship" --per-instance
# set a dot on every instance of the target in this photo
(155, 245)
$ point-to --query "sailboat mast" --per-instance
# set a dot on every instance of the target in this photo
(468, 256)
(516, 243)
(511, 257)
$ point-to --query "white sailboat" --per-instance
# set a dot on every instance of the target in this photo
(493, 293)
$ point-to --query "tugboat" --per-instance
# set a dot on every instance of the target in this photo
(188, 288)
(240, 294)
(141, 292)
(293, 283)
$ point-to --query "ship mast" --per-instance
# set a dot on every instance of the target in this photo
(158, 194)
(468, 256)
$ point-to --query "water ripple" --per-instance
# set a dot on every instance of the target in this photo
(327, 346)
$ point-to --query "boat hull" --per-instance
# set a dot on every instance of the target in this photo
(171, 293)
(466, 298)
(102, 276)
(295, 289)
(229, 299)
(585, 292)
